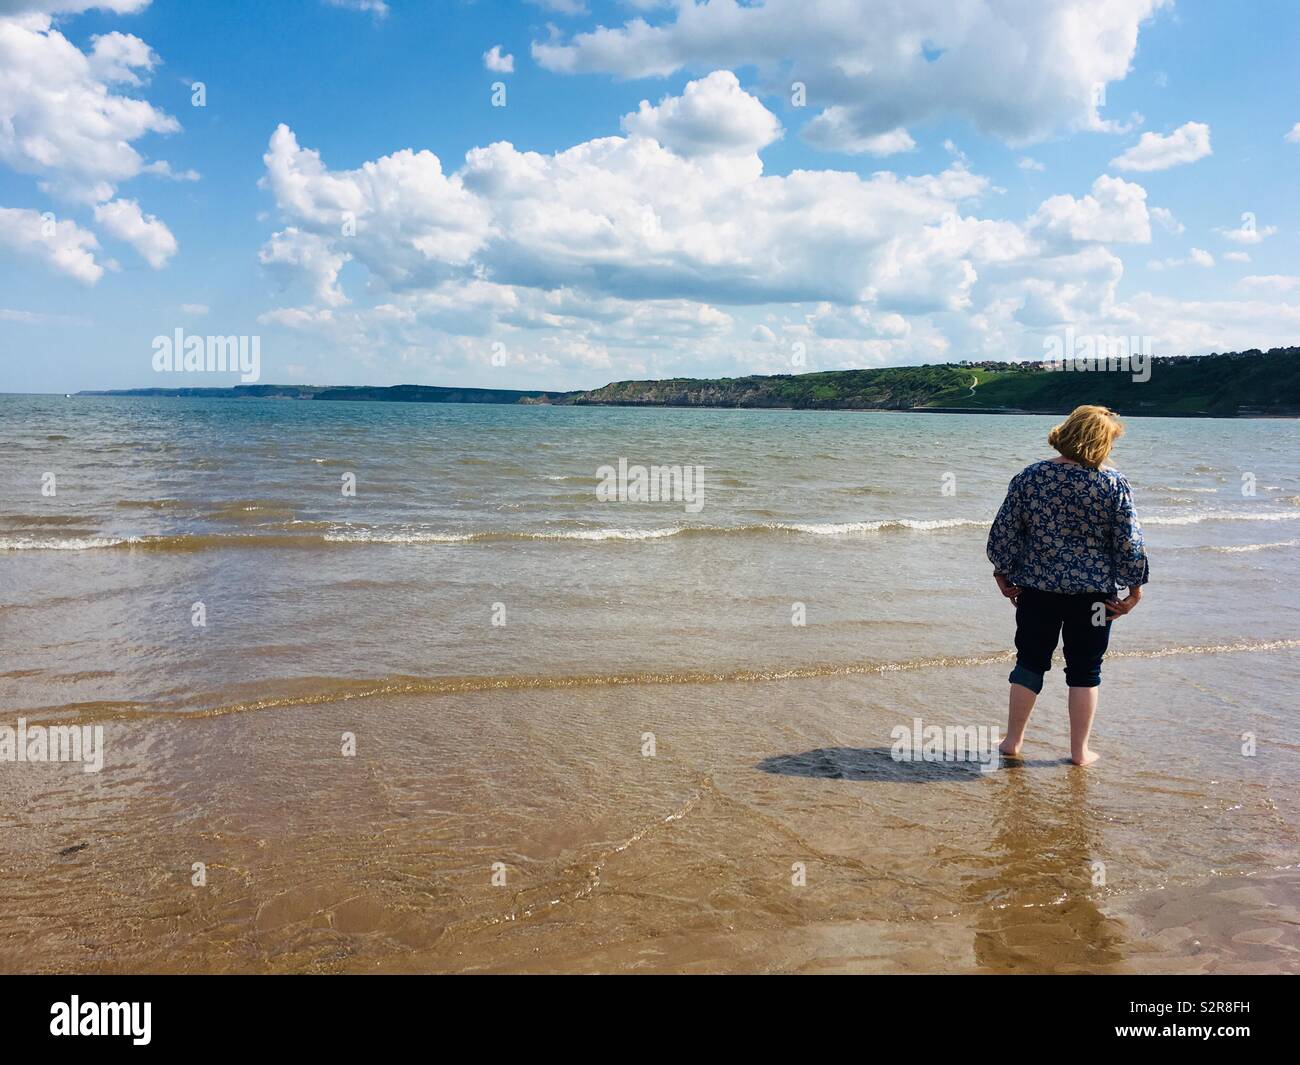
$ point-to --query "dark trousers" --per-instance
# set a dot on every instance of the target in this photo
(1043, 618)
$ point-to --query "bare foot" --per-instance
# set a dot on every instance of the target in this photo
(1011, 750)
(1088, 758)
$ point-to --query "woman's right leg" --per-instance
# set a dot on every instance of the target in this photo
(1086, 632)
(1038, 627)
(1083, 707)
(1020, 705)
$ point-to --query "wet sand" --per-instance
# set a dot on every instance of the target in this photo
(680, 862)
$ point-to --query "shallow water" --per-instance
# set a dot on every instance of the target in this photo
(523, 743)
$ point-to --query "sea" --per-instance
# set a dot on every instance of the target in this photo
(442, 688)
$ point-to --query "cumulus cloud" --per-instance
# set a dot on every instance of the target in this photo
(63, 246)
(494, 61)
(669, 250)
(1114, 211)
(627, 217)
(60, 118)
(64, 121)
(1026, 163)
(294, 253)
(408, 222)
(124, 220)
(714, 115)
(892, 64)
(1153, 151)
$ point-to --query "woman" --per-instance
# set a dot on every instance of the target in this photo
(1063, 543)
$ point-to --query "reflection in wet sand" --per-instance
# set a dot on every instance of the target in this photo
(1036, 904)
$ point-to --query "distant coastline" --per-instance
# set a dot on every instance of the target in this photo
(1232, 385)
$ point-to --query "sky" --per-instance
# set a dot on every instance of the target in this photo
(562, 193)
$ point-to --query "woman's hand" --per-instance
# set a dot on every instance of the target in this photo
(1007, 588)
(1117, 608)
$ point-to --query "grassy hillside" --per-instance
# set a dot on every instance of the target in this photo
(1226, 385)
(1249, 382)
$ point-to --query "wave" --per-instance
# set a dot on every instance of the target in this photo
(333, 536)
(147, 504)
(322, 690)
(589, 535)
(1177, 489)
(1240, 548)
(214, 541)
(71, 543)
(1220, 515)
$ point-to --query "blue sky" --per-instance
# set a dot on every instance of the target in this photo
(963, 180)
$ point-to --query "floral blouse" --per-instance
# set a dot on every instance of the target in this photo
(1067, 528)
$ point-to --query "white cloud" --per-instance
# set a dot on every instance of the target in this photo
(494, 61)
(570, 7)
(714, 115)
(1115, 211)
(70, 7)
(377, 8)
(1236, 257)
(1026, 163)
(1167, 220)
(150, 237)
(196, 309)
(59, 116)
(1188, 143)
(1195, 257)
(163, 169)
(310, 256)
(413, 225)
(834, 130)
(61, 245)
(1248, 232)
(624, 256)
(626, 217)
(1294, 135)
(1272, 282)
(64, 122)
(892, 64)
(1193, 326)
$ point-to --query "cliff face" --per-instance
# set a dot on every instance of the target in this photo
(886, 389)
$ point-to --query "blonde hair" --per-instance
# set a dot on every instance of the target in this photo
(1087, 435)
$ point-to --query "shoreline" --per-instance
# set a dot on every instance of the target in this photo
(998, 411)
